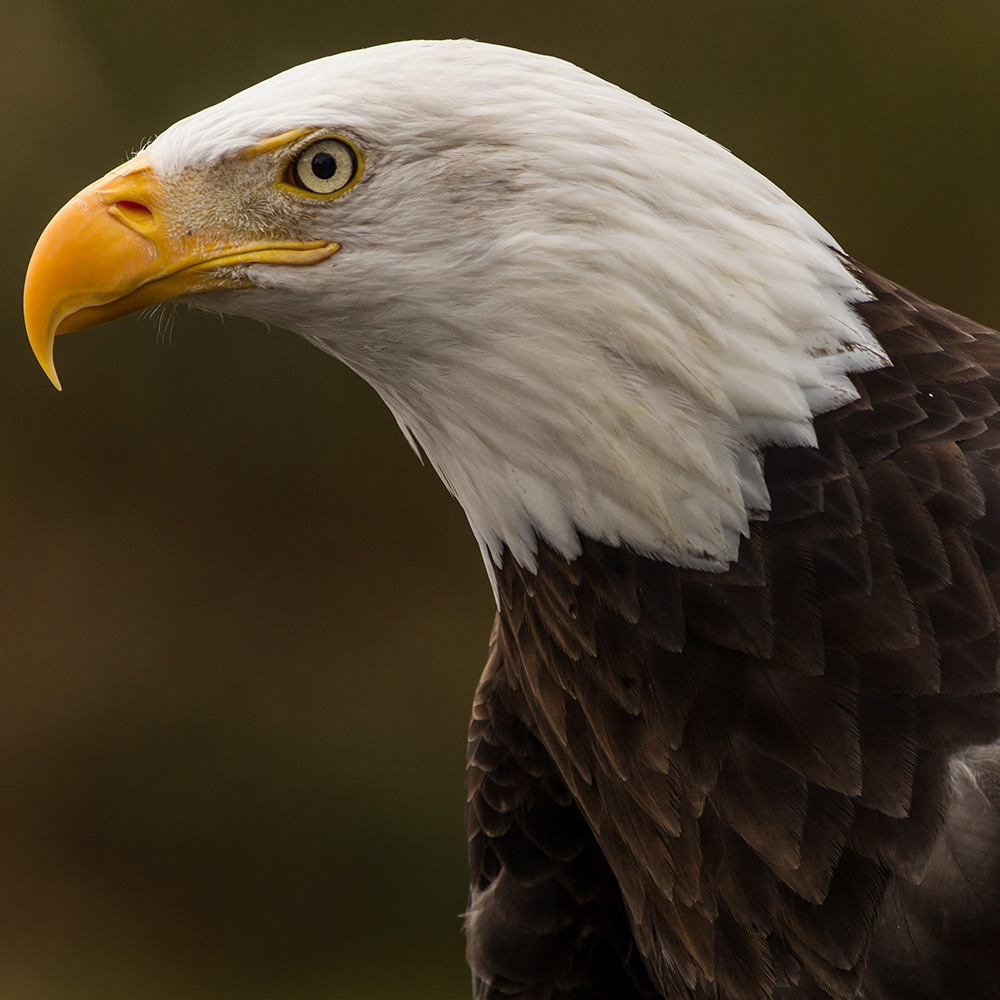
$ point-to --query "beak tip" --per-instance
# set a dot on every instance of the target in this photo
(39, 321)
(49, 368)
(43, 355)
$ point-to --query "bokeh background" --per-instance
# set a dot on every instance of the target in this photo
(241, 625)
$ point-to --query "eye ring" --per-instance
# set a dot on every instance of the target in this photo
(326, 166)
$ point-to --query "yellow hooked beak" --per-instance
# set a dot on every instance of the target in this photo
(112, 250)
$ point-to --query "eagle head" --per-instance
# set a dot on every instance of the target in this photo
(587, 315)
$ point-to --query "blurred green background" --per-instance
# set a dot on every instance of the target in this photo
(242, 625)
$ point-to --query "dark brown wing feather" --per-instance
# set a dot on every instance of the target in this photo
(545, 918)
(760, 781)
(938, 937)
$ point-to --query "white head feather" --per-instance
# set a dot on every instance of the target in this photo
(589, 316)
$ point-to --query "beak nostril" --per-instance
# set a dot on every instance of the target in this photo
(133, 211)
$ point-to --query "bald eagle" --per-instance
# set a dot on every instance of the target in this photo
(736, 494)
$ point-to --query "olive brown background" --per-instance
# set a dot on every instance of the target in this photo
(241, 625)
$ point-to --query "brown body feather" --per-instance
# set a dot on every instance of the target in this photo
(769, 782)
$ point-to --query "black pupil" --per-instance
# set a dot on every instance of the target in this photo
(324, 165)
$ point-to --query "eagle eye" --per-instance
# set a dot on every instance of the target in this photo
(324, 167)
